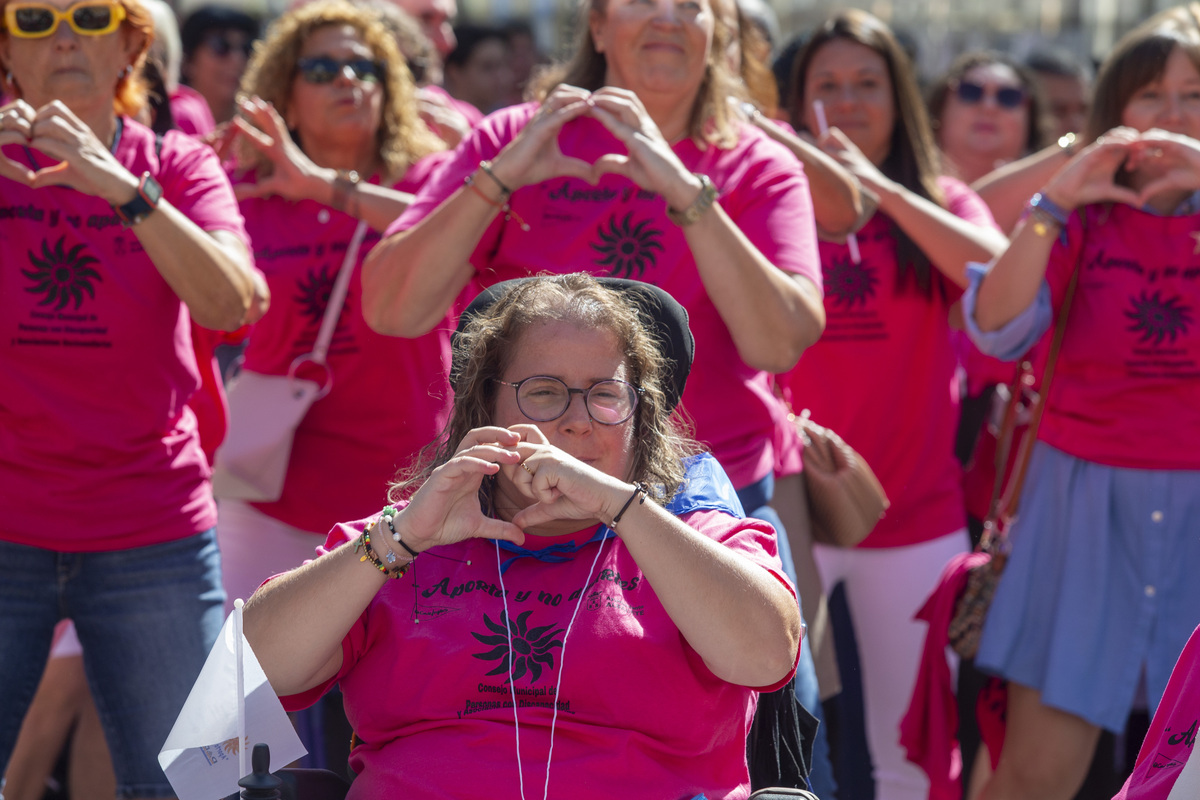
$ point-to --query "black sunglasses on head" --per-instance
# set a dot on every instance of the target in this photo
(221, 46)
(1009, 97)
(323, 69)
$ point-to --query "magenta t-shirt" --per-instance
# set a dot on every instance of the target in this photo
(883, 377)
(191, 112)
(425, 677)
(390, 396)
(1171, 739)
(96, 359)
(1126, 391)
(616, 229)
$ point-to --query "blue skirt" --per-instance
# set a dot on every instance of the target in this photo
(1101, 584)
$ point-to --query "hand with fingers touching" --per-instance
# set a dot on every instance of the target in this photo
(446, 508)
(534, 155)
(16, 126)
(85, 163)
(1091, 175)
(1169, 161)
(650, 161)
(293, 175)
(837, 144)
(559, 486)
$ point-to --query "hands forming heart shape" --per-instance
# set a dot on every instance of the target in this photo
(84, 162)
(1157, 163)
(534, 155)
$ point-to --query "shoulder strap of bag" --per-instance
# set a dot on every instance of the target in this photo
(1012, 495)
(1005, 499)
(337, 297)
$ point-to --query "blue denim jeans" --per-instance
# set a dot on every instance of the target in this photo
(754, 500)
(146, 618)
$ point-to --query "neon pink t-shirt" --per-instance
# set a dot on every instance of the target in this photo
(96, 359)
(639, 713)
(1171, 739)
(191, 112)
(1126, 391)
(883, 377)
(390, 396)
(616, 229)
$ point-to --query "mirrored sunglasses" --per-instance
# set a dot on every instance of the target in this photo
(1009, 97)
(30, 20)
(323, 69)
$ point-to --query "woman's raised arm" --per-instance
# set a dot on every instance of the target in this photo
(411, 278)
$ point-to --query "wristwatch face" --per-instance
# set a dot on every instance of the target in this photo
(150, 189)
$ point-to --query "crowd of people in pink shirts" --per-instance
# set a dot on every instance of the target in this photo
(181, 200)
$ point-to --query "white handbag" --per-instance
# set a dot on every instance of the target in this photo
(265, 410)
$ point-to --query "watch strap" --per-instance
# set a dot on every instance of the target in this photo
(703, 201)
(143, 203)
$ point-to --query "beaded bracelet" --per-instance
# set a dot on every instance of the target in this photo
(386, 515)
(639, 494)
(364, 543)
(505, 207)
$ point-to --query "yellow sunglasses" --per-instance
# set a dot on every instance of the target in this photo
(30, 20)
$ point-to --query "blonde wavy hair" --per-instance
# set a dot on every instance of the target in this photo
(402, 137)
(132, 91)
(712, 120)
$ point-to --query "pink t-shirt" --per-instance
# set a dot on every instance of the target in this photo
(425, 677)
(1126, 392)
(616, 229)
(96, 359)
(390, 396)
(191, 112)
(1171, 739)
(883, 377)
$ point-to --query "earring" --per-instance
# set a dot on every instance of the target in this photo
(8, 78)
(125, 73)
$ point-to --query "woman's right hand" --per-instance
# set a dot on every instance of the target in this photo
(446, 507)
(1090, 176)
(534, 155)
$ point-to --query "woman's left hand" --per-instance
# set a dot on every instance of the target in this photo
(650, 163)
(293, 175)
(1173, 157)
(85, 163)
(561, 486)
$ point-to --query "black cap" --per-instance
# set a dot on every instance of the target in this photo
(669, 317)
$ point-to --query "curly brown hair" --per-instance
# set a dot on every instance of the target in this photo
(132, 90)
(483, 350)
(402, 137)
(712, 120)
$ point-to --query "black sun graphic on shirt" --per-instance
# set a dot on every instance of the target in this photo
(313, 291)
(531, 647)
(62, 276)
(624, 247)
(1156, 319)
(849, 283)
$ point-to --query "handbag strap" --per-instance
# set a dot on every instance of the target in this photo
(337, 297)
(1004, 503)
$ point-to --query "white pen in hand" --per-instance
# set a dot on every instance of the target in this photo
(822, 129)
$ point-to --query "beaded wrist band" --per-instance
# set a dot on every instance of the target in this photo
(505, 207)
(388, 513)
(364, 543)
(639, 494)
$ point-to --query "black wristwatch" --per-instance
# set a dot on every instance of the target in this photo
(140, 207)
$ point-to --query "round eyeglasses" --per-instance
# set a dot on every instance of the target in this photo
(542, 399)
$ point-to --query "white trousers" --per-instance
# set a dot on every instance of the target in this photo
(254, 547)
(885, 588)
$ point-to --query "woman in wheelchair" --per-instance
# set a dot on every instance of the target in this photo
(566, 598)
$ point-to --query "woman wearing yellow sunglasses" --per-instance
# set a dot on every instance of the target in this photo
(110, 238)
